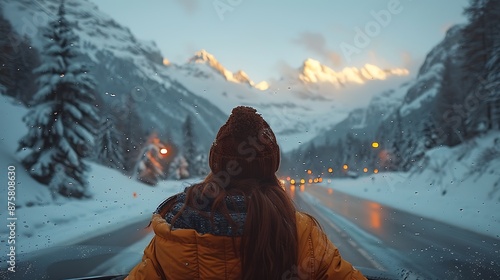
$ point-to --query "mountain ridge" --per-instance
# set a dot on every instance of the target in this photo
(133, 75)
(312, 71)
(130, 75)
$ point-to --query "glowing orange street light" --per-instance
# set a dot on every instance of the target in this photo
(309, 171)
(292, 182)
(315, 180)
(302, 181)
(330, 170)
(320, 179)
(375, 145)
(375, 170)
(310, 181)
(288, 178)
(365, 169)
(345, 166)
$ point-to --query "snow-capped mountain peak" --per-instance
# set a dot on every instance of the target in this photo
(242, 77)
(204, 57)
(262, 85)
(312, 71)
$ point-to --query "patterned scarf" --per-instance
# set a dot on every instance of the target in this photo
(204, 221)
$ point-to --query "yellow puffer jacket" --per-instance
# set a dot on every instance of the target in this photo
(186, 254)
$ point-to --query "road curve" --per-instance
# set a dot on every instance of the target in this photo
(399, 241)
(80, 259)
(367, 234)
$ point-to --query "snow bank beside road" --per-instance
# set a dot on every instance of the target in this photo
(446, 190)
(117, 201)
(41, 223)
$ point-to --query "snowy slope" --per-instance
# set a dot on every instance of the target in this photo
(43, 223)
(294, 120)
(204, 57)
(459, 185)
(447, 191)
(412, 100)
(428, 81)
(117, 201)
(130, 73)
(364, 122)
(12, 130)
(469, 201)
(297, 108)
(313, 98)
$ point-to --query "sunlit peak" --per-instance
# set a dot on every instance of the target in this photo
(262, 85)
(314, 72)
(204, 57)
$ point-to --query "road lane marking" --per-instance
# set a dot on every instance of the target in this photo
(335, 227)
(370, 259)
(353, 244)
(361, 251)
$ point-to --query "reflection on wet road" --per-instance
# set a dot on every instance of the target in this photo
(368, 234)
(398, 241)
(86, 256)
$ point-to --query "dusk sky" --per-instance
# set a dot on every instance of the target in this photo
(264, 37)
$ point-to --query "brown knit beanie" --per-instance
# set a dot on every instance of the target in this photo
(245, 147)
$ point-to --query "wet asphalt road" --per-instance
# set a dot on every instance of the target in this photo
(373, 235)
(80, 259)
(367, 234)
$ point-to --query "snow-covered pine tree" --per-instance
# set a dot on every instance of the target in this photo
(201, 165)
(132, 134)
(450, 121)
(397, 143)
(149, 168)
(430, 133)
(412, 152)
(365, 155)
(17, 61)
(474, 43)
(189, 149)
(339, 153)
(61, 123)
(349, 149)
(179, 168)
(493, 64)
(108, 144)
(480, 58)
(310, 156)
(384, 137)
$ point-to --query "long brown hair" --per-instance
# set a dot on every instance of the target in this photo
(269, 242)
